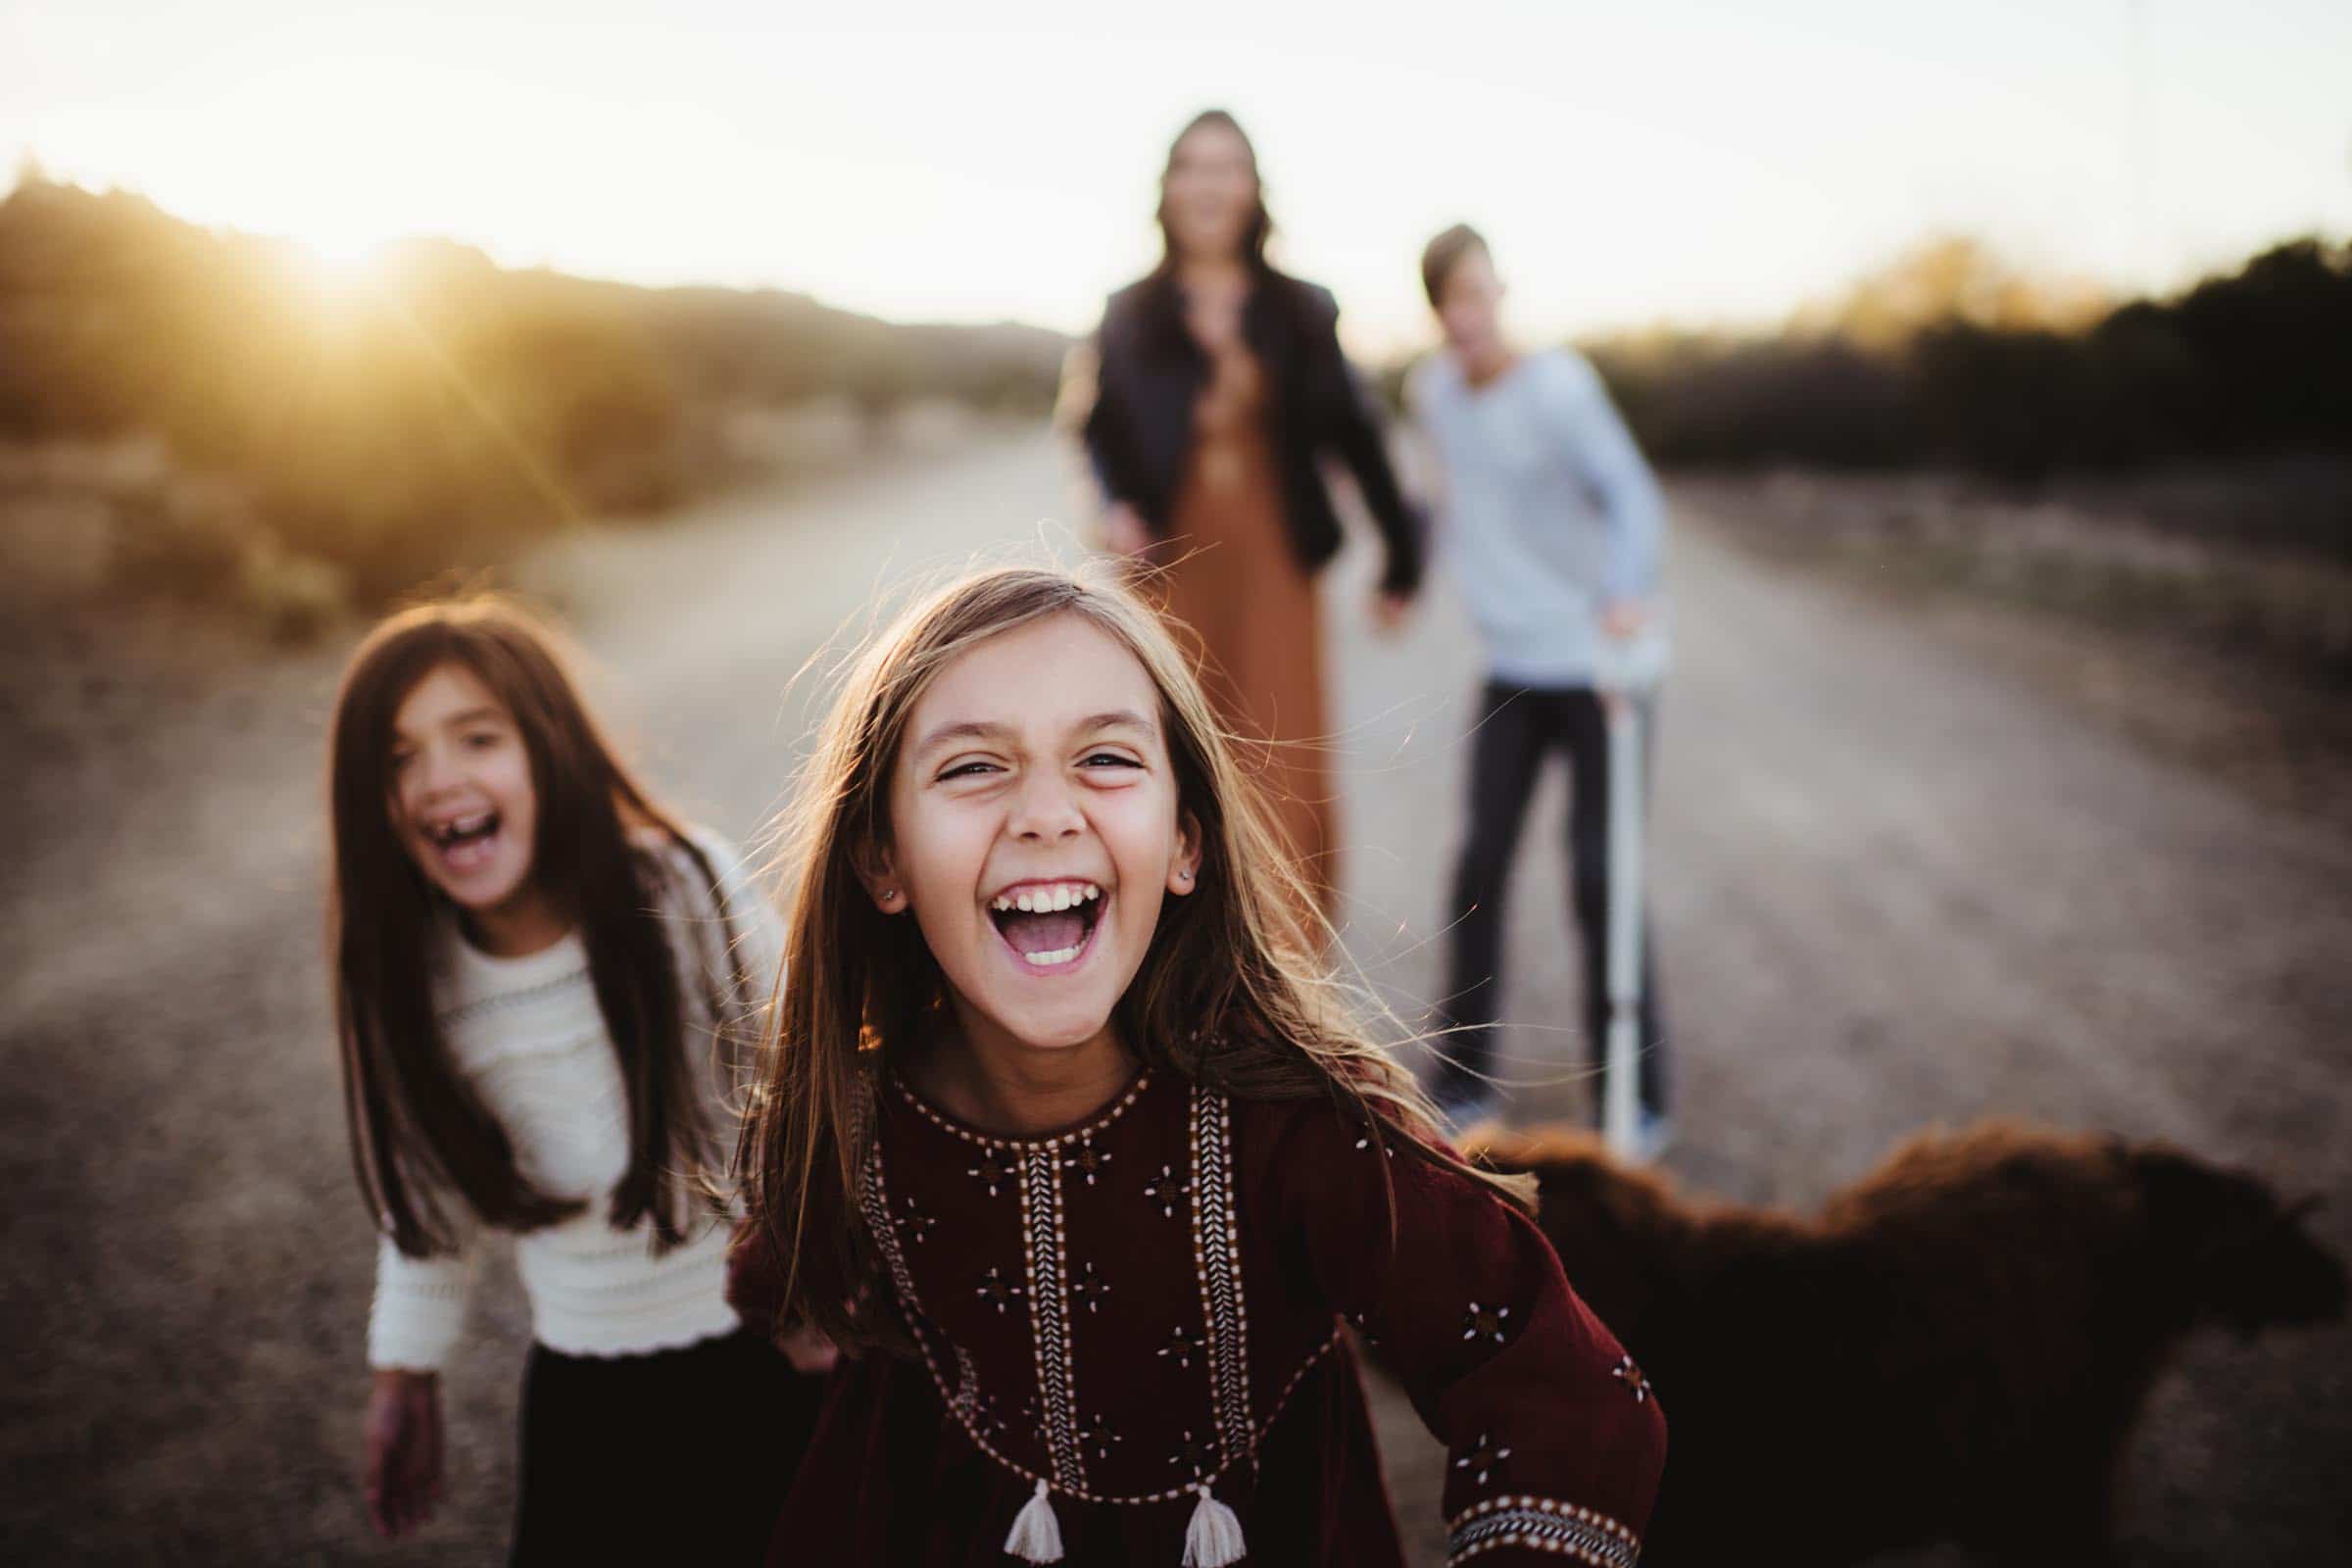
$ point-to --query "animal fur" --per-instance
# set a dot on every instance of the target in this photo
(1955, 1351)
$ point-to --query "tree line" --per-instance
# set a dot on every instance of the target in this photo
(1948, 360)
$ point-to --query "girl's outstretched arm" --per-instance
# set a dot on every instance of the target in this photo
(1554, 1440)
(419, 1312)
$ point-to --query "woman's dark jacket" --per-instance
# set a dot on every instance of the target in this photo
(1151, 373)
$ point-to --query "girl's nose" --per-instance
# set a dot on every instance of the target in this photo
(1046, 808)
(435, 774)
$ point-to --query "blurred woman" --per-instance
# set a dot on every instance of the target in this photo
(540, 975)
(1219, 386)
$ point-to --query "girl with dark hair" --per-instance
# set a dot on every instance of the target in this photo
(542, 982)
(1218, 389)
(1060, 1123)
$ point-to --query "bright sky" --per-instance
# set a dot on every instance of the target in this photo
(1675, 160)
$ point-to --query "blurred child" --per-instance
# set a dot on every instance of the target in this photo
(1553, 525)
(1057, 1117)
(539, 973)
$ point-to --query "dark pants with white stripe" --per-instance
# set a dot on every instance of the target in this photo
(1518, 728)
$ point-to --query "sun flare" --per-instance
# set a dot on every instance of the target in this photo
(340, 279)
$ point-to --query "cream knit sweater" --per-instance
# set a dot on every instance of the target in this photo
(527, 1032)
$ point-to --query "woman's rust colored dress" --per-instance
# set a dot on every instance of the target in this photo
(1234, 578)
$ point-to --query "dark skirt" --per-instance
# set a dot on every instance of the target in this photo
(680, 1456)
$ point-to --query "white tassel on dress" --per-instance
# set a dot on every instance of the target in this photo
(1037, 1535)
(1213, 1540)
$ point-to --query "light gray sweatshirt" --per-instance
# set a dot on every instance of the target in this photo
(1549, 514)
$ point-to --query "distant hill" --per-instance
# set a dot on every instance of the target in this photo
(393, 421)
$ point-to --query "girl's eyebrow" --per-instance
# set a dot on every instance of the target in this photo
(968, 729)
(1119, 719)
(975, 729)
(471, 715)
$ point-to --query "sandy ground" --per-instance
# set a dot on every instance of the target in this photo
(1899, 883)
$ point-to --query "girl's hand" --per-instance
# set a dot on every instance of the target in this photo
(808, 1350)
(402, 1478)
(1123, 530)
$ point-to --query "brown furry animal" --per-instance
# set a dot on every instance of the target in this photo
(1955, 1351)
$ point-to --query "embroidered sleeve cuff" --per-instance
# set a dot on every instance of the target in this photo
(1544, 1526)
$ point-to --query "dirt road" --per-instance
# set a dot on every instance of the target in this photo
(1896, 885)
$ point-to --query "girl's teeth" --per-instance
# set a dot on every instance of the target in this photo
(1058, 955)
(1046, 901)
(461, 827)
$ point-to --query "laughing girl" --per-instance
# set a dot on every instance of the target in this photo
(539, 975)
(1059, 1123)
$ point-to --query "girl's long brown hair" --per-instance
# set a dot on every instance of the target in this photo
(1227, 994)
(419, 1135)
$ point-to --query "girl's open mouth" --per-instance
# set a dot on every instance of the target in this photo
(465, 843)
(1048, 925)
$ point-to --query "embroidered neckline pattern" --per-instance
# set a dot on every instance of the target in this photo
(1217, 1264)
(966, 1404)
(948, 1124)
(1541, 1523)
(1046, 1261)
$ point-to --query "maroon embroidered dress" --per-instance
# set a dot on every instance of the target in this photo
(1143, 1311)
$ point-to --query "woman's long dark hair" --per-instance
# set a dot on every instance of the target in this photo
(1160, 301)
(419, 1134)
(1261, 221)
